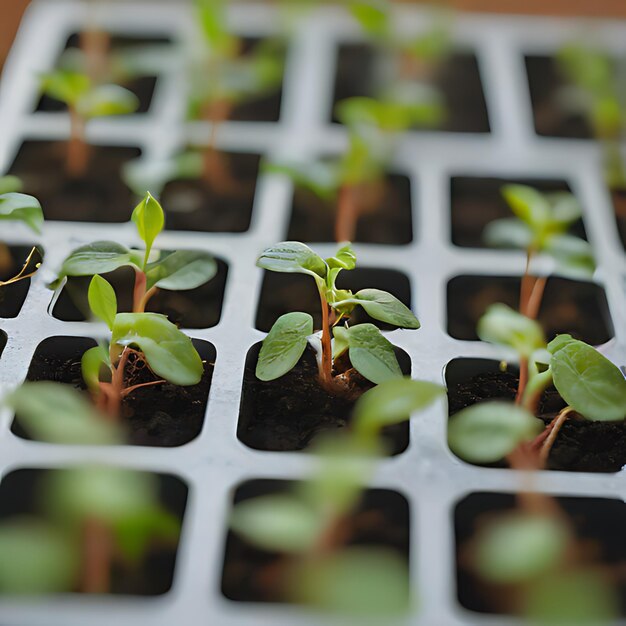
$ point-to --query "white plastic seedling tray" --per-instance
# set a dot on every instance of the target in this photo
(212, 465)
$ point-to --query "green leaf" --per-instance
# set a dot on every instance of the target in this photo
(508, 232)
(65, 85)
(530, 205)
(105, 100)
(57, 413)
(284, 345)
(489, 431)
(518, 547)
(384, 307)
(168, 351)
(212, 21)
(181, 270)
(565, 208)
(573, 255)
(102, 300)
(319, 177)
(341, 342)
(91, 365)
(23, 208)
(392, 402)
(587, 380)
(36, 558)
(373, 17)
(10, 184)
(371, 354)
(281, 523)
(293, 256)
(149, 219)
(344, 258)
(504, 326)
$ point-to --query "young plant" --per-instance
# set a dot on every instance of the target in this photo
(370, 354)
(85, 100)
(311, 525)
(93, 519)
(154, 270)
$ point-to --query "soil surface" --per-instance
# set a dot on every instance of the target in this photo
(195, 205)
(569, 306)
(163, 415)
(458, 78)
(12, 259)
(21, 494)
(390, 223)
(581, 445)
(288, 413)
(194, 308)
(598, 523)
(283, 293)
(475, 202)
(98, 196)
(382, 520)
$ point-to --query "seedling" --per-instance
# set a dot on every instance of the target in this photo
(92, 520)
(154, 270)
(311, 524)
(85, 100)
(370, 354)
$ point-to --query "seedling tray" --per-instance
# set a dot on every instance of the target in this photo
(216, 462)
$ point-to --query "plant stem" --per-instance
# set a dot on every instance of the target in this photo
(97, 547)
(347, 214)
(527, 283)
(139, 291)
(22, 273)
(536, 296)
(214, 169)
(326, 368)
(537, 383)
(77, 148)
(95, 44)
(523, 379)
(146, 298)
(555, 427)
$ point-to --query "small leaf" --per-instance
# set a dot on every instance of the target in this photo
(91, 365)
(98, 257)
(10, 184)
(284, 345)
(373, 16)
(387, 308)
(319, 177)
(573, 255)
(344, 259)
(489, 431)
(340, 343)
(371, 354)
(149, 218)
(292, 256)
(102, 299)
(181, 270)
(587, 380)
(530, 205)
(565, 208)
(508, 232)
(65, 85)
(168, 351)
(23, 208)
(105, 100)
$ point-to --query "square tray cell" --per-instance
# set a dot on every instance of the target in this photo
(475, 201)
(12, 259)
(390, 222)
(382, 520)
(163, 415)
(569, 306)
(98, 196)
(284, 293)
(581, 446)
(21, 493)
(599, 522)
(196, 205)
(286, 414)
(458, 78)
(193, 308)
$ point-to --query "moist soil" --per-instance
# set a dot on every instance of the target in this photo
(288, 413)
(581, 445)
(458, 79)
(20, 494)
(193, 308)
(12, 296)
(284, 293)
(194, 205)
(163, 415)
(569, 306)
(390, 223)
(382, 520)
(98, 196)
(598, 523)
(477, 201)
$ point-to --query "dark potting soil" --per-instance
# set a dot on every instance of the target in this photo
(569, 306)
(141, 86)
(12, 296)
(98, 196)
(3, 341)
(194, 205)
(551, 120)
(163, 415)
(598, 522)
(581, 445)
(477, 201)
(287, 414)
(21, 494)
(382, 520)
(194, 308)
(284, 293)
(619, 206)
(458, 79)
(390, 223)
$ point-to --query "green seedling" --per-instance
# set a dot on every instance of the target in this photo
(310, 524)
(154, 270)
(93, 519)
(370, 353)
(85, 100)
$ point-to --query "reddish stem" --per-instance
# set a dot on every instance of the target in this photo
(139, 292)
(97, 548)
(536, 296)
(77, 148)
(347, 214)
(523, 379)
(555, 427)
(326, 370)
